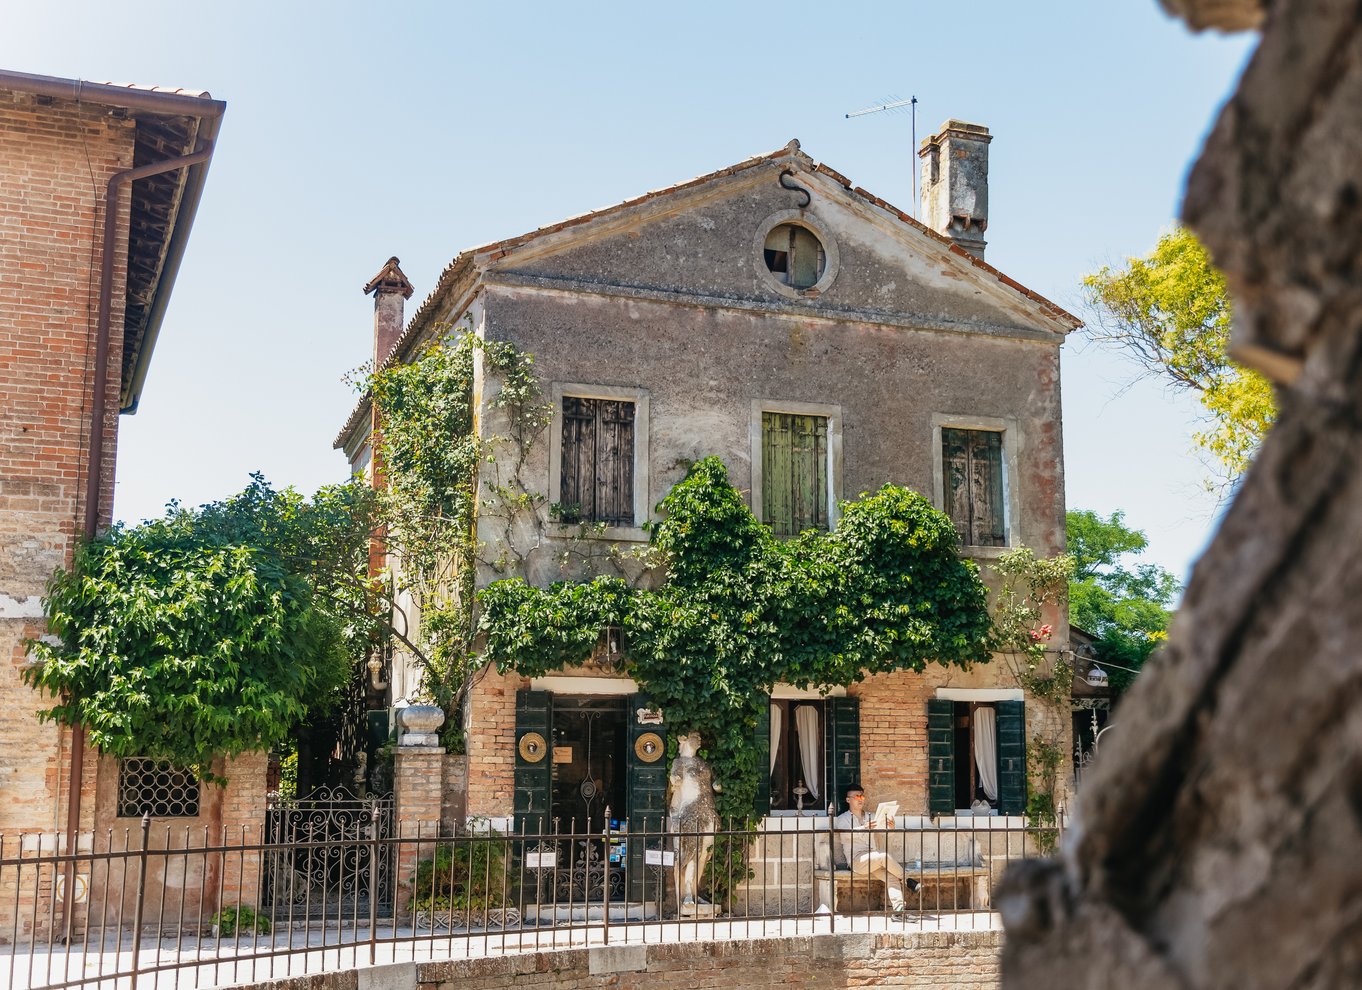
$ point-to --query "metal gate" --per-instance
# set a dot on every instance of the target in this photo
(333, 867)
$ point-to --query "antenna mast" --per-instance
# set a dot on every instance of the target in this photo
(911, 103)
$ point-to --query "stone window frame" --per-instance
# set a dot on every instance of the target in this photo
(1011, 434)
(831, 257)
(832, 412)
(582, 390)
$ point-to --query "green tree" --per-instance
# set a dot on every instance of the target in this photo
(1126, 607)
(212, 631)
(1170, 311)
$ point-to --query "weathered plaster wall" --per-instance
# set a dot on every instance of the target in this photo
(704, 244)
(704, 367)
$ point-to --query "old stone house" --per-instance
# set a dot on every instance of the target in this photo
(823, 343)
(99, 185)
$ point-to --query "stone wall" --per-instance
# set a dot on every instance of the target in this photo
(929, 961)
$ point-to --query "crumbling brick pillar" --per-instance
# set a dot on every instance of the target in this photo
(243, 822)
(418, 791)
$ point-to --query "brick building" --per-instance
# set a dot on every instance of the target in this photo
(99, 184)
(823, 343)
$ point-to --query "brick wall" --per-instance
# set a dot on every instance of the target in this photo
(491, 744)
(54, 164)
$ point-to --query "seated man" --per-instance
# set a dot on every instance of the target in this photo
(865, 854)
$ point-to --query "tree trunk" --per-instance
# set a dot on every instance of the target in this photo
(1219, 837)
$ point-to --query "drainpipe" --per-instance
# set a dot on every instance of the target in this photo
(95, 459)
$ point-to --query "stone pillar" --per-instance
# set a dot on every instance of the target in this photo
(418, 789)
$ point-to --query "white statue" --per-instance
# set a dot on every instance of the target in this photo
(691, 815)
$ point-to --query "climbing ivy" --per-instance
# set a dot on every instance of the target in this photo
(429, 458)
(740, 611)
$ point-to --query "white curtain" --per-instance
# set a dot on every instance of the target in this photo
(986, 751)
(810, 749)
(775, 736)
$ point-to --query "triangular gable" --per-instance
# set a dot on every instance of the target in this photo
(531, 251)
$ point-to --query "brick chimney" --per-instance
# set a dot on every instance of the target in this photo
(390, 290)
(955, 183)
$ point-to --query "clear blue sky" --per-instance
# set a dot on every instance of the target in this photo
(358, 131)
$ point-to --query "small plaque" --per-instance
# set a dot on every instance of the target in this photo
(659, 857)
(649, 716)
(649, 747)
(541, 860)
(533, 749)
(562, 754)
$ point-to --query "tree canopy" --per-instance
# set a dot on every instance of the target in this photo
(1170, 311)
(1126, 607)
(211, 631)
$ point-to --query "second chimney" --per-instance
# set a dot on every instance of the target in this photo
(955, 183)
(390, 290)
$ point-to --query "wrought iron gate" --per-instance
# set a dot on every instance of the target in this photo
(333, 868)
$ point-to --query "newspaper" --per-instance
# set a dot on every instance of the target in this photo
(884, 814)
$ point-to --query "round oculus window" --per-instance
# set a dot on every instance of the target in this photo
(794, 256)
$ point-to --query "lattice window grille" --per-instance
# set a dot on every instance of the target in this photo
(157, 786)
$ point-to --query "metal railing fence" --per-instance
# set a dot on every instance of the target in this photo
(167, 907)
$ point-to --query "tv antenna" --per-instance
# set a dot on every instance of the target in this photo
(892, 105)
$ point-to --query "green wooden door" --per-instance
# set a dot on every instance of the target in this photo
(533, 794)
(940, 756)
(841, 750)
(647, 796)
(1011, 757)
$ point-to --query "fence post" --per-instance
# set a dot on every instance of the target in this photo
(141, 897)
(605, 884)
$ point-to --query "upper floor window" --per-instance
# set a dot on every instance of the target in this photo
(597, 468)
(795, 256)
(975, 494)
(794, 461)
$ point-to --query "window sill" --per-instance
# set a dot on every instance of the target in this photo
(590, 531)
(985, 553)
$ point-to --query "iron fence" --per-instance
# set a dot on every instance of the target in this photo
(165, 907)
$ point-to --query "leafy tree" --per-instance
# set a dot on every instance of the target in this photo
(1127, 608)
(1170, 310)
(209, 632)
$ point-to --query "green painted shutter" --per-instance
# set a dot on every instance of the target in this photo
(794, 479)
(841, 749)
(762, 742)
(940, 756)
(647, 802)
(533, 779)
(1011, 757)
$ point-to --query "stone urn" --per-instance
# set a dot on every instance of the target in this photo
(420, 725)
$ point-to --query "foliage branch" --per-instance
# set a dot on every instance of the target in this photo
(1170, 311)
(208, 632)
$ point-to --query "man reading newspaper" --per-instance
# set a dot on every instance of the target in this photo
(863, 852)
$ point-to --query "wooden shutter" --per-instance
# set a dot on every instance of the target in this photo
(1011, 757)
(972, 463)
(597, 465)
(940, 756)
(841, 749)
(533, 792)
(761, 806)
(794, 480)
(646, 796)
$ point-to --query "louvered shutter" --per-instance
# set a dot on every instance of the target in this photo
(940, 756)
(1011, 757)
(841, 749)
